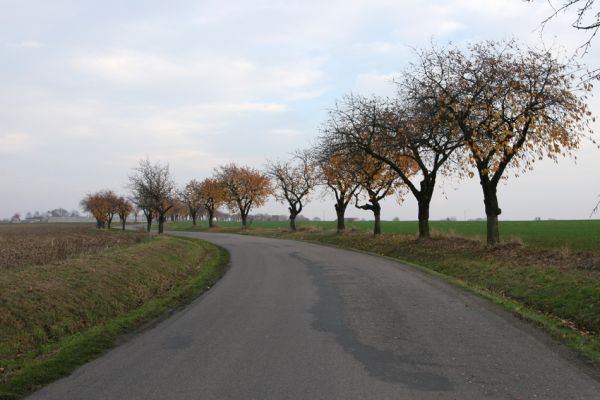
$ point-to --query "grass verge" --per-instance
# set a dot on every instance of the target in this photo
(557, 290)
(56, 317)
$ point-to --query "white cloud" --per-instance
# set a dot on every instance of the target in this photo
(381, 84)
(25, 44)
(129, 66)
(377, 47)
(14, 142)
(285, 132)
(221, 76)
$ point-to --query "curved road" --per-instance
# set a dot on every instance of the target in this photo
(293, 320)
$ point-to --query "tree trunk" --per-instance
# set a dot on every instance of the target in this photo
(243, 220)
(490, 199)
(424, 217)
(194, 219)
(377, 215)
(293, 222)
(340, 211)
(211, 216)
(161, 222)
(109, 222)
(149, 219)
(123, 221)
(98, 224)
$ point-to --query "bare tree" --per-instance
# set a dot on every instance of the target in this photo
(113, 206)
(376, 180)
(190, 195)
(587, 17)
(399, 133)
(153, 191)
(293, 182)
(124, 208)
(333, 172)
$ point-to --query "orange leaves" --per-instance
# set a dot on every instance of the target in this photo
(243, 187)
(211, 194)
(102, 205)
(510, 102)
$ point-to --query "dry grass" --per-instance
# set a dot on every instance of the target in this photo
(40, 244)
(44, 308)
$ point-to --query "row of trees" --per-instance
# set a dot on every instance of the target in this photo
(155, 193)
(486, 110)
(494, 107)
(104, 205)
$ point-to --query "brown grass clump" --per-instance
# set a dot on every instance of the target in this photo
(40, 244)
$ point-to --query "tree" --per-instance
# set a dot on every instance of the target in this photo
(112, 201)
(587, 17)
(400, 134)
(513, 106)
(16, 217)
(334, 173)
(190, 195)
(58, 212)
(211, 195)
(124, 208)
(153, 191)
(293, 182)
(102, 205)
(244, 188)
(376, 180)
(179, 211)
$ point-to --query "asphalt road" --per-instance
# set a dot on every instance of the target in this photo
(293, 320)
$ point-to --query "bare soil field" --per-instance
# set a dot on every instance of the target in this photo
(39, 244)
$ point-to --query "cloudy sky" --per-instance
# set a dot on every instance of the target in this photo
(87, 88)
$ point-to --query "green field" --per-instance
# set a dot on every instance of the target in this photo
(582, 235)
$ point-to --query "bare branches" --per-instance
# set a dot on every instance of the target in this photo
(587, 18)
(190, 195)
(293, 182)
(153, 190)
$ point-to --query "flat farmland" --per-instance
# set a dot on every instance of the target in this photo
(577, 235)
(40, 244)
(67, 291)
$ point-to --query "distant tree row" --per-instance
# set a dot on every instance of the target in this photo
(154, 192)
(57, 212)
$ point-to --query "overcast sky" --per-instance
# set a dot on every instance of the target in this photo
(87, 88)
